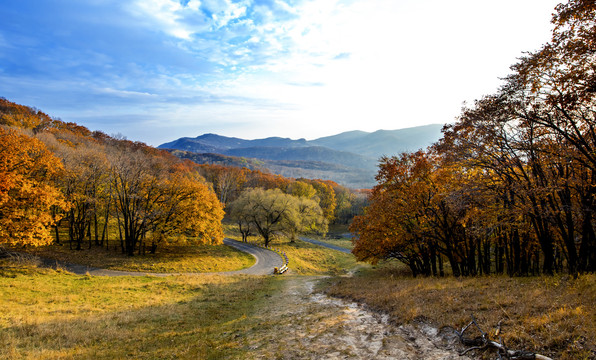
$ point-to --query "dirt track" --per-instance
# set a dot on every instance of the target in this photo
(301, 324)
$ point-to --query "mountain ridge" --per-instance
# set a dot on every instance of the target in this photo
(357, 151)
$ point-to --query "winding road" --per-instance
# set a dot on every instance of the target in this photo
(266, 260)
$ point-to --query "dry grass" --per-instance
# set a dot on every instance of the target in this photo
(309, 259)
(169, 258)
(341, 242)
(46, 314)
(305, 258)
(555, 316)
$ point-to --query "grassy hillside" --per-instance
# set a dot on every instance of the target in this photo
(169, 259)
(52, 315)
(554, 316)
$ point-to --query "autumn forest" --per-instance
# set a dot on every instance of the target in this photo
(481, 245)
(59, 175)
(509, 189)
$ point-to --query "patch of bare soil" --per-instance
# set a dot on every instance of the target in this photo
(301, 324)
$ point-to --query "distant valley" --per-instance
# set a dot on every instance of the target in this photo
(349, 158)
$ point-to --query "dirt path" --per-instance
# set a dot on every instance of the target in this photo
(302, 324)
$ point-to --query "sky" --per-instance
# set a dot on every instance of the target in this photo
(158, 70)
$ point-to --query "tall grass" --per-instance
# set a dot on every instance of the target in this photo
(169, 258)
(46, 314)
(553, 316)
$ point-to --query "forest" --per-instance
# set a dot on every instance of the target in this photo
(56, 175)
(510, 188)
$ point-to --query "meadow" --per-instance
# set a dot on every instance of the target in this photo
(48, 314)
(171, 258)
(52, 314)
(550, 315)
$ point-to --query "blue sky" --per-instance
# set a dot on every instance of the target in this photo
(157, 70)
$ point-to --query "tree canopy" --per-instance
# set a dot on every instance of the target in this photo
(27, 192)
(272, 212)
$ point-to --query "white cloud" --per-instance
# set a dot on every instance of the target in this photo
(185, 22)
(306, 68)
(410, 62)
(126, 93)
(166, 15)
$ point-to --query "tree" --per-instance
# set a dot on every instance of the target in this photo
(27, 194)
(325, 196)
(83, 183)
(227, 181)
(272, 211)
(302, 189)
(188, 207)
(407, 216)
(158, 196)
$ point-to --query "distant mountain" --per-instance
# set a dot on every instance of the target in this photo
(308, 153)
(349, 158)
(217, 144)
(383, 142)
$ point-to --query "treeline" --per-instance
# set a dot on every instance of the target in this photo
(56, 175)
(511, 186)
(338, 203)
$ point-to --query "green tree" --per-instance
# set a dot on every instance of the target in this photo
(274, 212)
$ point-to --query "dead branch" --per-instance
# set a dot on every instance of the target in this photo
(483, 342)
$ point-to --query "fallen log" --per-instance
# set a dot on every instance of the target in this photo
(483, 342)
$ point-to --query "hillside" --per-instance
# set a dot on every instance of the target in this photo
(349, 158)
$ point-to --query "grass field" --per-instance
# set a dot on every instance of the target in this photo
(169, 258)
(46, 314)
(554, 316)
(341, 242)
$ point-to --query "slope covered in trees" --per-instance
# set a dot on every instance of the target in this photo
(510, 187)
(56, 174)
(347, 176)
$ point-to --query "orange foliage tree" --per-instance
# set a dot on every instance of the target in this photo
(27, 194)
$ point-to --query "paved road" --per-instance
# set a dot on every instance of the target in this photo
(327, 245)
(266, 260)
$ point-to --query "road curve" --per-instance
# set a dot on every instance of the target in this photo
(329, 246)
(266, 260)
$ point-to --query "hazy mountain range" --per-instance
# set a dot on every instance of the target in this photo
(349, 158)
